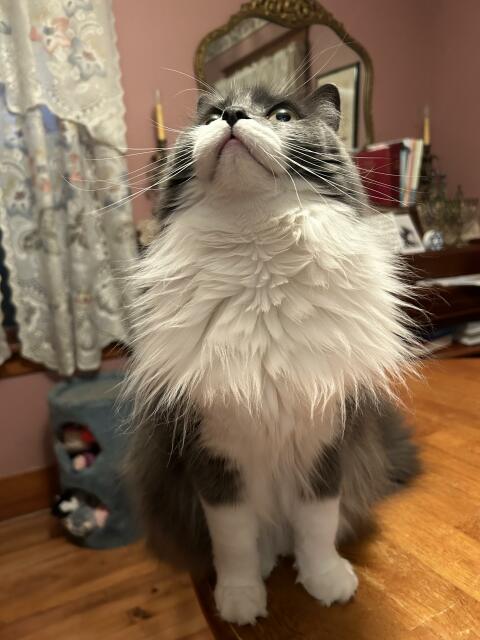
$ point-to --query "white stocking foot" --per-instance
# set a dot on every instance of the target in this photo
(241, 604)
(337, 583)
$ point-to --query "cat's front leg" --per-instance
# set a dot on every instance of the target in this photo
(240, 593)
(321, 569)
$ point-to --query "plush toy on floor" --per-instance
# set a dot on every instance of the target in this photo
(81, 445)
(83, 460)
(78, 516)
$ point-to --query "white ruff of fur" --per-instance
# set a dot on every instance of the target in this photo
(266, 307)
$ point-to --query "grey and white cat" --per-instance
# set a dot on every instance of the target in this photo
(269, 327)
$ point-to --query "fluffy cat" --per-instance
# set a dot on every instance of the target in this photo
(269, 327)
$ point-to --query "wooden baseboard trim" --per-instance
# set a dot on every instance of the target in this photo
(17, 365)
(27, 492)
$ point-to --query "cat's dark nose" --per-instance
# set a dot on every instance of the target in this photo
(233, 114)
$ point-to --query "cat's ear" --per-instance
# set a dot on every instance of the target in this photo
(326, 102)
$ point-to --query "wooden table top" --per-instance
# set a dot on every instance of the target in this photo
(420, 572)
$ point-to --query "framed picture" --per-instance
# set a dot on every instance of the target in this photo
(408, 236)
(347, 80)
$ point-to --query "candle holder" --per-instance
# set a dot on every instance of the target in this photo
(159, 159)
(451, 216)
(158, 165)
(427, 168)
(427, 174)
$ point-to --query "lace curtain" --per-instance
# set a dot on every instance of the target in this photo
(65, 215)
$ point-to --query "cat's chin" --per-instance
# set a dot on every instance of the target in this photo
(239, 160)
(234, 150)
(231, 145)
(238, 169)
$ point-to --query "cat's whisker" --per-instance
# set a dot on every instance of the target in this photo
(109, 184)
(137, 193)
(348, 195)
(129, 178)
(335, 186)
(298, 71)
(370, 181)
(351, 171)
(175, 172)
(282, 167)
(309, 61)
(117, 203)
(271, 170)
(327, 156)
(304, 65)
(287, 170)
(125, 175)
(201, 91)
(165, 187)
(209, 87)
(122, 155)
(327, 62)
(160, 163)
(171, 129)
(309, 185)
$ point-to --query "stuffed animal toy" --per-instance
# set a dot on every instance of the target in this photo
(79, 517)
(83, 460)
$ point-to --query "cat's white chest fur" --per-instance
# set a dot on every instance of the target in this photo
(274, 314)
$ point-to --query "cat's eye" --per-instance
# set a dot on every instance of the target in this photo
(282, 114)
(212, 117)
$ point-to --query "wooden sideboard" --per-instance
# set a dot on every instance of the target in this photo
(444, 306)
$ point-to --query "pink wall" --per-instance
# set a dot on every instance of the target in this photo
(455, 95)
(24, 429)
(24, 424)
(423, 52)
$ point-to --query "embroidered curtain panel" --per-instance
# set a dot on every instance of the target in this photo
(65, 214)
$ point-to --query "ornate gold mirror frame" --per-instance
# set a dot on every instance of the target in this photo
(294, 14)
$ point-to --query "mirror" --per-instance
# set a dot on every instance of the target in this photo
(296, 46)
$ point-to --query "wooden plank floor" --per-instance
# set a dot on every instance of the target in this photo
(419, 573)
(51, 589)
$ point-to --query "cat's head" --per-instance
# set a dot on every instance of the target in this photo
(255, 140)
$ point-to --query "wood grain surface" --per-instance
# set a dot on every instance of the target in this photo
(53, 590)
(420, 571)
(27, 492)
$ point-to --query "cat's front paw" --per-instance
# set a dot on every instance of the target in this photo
(241, 604)
(336, 584)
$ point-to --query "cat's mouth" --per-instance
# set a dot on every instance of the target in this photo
(235, 143)
(230, 143)
(246, 150)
